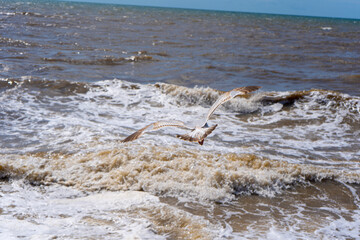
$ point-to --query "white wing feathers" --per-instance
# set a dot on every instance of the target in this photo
(227, 97)
(153, 127)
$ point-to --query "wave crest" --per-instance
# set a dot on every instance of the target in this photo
(167, 171)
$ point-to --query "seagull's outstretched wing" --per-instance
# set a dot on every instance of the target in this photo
(228, 96)
(153, 127)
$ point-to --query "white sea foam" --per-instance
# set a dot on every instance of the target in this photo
(326, 28)
(112, 109)
(342, 228)
(59, 212)
(28, 213)
(71, 136)
(8, 13)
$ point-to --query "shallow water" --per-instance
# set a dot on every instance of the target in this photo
(284, 162)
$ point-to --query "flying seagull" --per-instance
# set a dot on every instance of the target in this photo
(199, 133)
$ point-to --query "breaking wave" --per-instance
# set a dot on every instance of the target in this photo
(167, 171)
(272, 140)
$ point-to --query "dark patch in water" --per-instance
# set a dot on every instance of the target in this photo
(287, 100)
(58, 87)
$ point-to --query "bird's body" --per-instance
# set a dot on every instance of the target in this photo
(199, 133)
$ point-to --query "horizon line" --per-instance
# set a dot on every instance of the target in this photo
(210, 10)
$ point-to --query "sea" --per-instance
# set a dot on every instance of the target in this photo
(77, 78)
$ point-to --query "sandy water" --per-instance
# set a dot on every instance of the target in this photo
(78, 78)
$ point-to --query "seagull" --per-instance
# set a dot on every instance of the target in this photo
(199, 133)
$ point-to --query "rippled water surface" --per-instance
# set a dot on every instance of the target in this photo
(76, 79)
